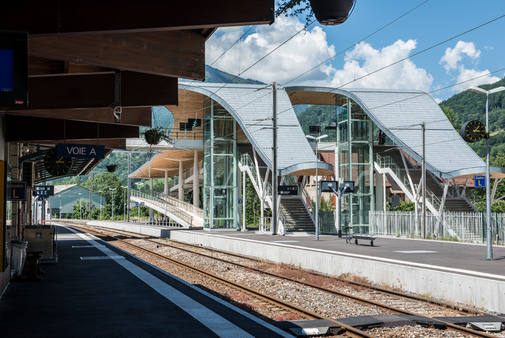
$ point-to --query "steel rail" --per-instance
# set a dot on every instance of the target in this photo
(368, 286)
(362, 300)
(349, 329)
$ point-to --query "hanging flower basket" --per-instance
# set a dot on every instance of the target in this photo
(111, 168)
(155, 135)
(331, 12)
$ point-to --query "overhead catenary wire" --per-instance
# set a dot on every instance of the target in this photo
(415, 96)
(371, 73)
(304, 29)
(391, 22)
(392, 64)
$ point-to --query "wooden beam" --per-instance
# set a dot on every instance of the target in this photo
(178, 54)
(119, 143)
(34, 129)
(97, 91)
(129, 116)
(47, 17)
(42, 66)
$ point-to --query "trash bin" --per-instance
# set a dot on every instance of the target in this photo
(18, 256)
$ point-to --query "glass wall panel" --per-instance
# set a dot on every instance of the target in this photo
(356, 166)
(220, 168)
(342, 132)
(360, 153)
(361, 178)
(361, 130)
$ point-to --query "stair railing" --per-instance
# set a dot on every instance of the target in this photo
(388, 162)
(156, 199)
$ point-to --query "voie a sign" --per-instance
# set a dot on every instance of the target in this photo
(80, 150)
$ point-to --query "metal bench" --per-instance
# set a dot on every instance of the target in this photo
(370, 238)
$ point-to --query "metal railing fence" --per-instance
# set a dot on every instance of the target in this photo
(457, 226)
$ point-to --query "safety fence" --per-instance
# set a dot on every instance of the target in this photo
(456, 226)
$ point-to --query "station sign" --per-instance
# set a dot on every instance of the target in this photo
(287, 190)
(16, 191)
(479, 181)
(80, 150)
(43, 190)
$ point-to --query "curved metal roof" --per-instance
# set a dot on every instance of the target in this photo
(400, 113)
(252, 107)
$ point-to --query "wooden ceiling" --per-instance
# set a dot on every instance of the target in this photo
(77, 49)
(168, 161)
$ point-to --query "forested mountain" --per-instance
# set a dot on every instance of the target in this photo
(214, 75)
(317, 115)
(469, 105)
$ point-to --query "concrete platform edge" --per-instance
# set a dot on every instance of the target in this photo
(480, 292)
(453, 287)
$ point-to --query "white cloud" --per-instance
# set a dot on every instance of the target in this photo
(437, 100)
(476, 78)
(404, 75)
(305, 51)
(453, 56)
(453, 60)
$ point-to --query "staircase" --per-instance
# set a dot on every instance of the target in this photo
(294, 216)
(183, 214)
(433, 184)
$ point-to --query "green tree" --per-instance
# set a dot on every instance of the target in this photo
(294, 8)
(452, 116)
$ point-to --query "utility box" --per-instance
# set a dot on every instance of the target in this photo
(41, 239)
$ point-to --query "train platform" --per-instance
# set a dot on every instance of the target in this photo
(450, 271)
(98, 290)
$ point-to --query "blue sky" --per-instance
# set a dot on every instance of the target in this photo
(471, 56)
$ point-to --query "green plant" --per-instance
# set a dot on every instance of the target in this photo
(154, 136)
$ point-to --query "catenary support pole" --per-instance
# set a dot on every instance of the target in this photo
(489, 237)
(424, 178)
(274, 159)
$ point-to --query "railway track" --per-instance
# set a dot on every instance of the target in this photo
(150, 246)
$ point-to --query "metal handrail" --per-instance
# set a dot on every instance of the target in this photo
(181, 204)
(387, 162)
(164, 204)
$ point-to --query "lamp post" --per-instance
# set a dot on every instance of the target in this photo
(124, 203)
(100, 204)
(112, 202)
(317, 181)
(488, 171)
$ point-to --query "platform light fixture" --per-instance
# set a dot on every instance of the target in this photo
(317, 181)
(112, 202)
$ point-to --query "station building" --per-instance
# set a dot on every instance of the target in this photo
(223, 133)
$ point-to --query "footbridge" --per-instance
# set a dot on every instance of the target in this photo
(183, 213)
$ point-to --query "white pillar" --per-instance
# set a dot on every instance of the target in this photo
(196, 182)
(151, 210)
(165, 189)
(181, 182)
(243, 201)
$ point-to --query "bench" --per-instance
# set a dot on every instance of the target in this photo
(370, 238)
